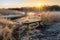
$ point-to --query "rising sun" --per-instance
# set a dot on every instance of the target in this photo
(39, 5)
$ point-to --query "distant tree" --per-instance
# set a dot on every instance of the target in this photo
(44, 8)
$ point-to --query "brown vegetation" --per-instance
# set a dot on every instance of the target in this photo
(7, 28)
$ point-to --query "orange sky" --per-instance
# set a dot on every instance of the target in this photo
(22, 3)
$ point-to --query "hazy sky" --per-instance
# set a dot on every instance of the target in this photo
(20, 3)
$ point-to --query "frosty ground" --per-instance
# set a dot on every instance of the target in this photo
(48, 29)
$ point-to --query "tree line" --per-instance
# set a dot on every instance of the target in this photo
(43, 8)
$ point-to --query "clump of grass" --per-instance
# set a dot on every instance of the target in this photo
(50, 17)
(7, 28)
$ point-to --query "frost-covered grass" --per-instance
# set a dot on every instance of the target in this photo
(7, 27)
(50, 17)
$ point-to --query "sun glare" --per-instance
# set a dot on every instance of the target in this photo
(39, 4)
